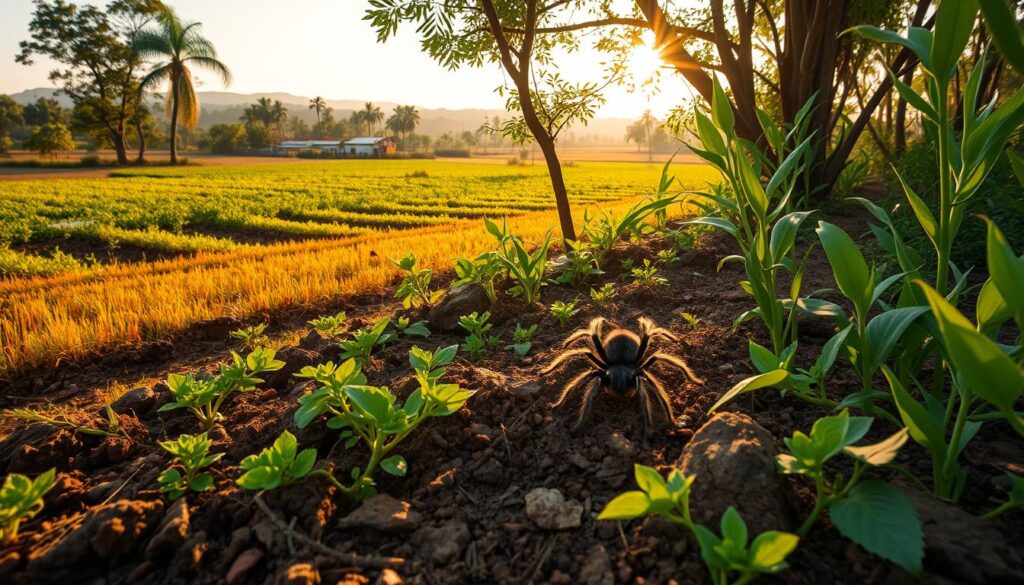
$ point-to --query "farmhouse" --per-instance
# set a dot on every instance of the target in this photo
(369, 146)
(296, 146)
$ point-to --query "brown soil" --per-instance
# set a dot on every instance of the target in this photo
(468, 473)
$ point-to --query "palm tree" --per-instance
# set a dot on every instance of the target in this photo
(372, 115)
(278, 116)
(647, 119)
(317, 104)
(179, 46)
(403, 122)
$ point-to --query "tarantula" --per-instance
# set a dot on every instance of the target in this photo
(620, 362)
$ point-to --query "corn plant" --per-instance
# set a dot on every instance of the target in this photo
(21, 498)
(191, 454)
(205, 397)
(609, 228)
(483, 270)
(405, 326)
(522, 339)
(251, 337)
(330, 326)
(577, 266)
(757, 216)
(647, 275)
(665, 182)
(964, 158)
(362, 342)
(479, 339)
(605, 294)
(372, 416)
(731, 557)
(894, 531)
(414, 290)
(524, 268)
(278, 465)
(564, 311)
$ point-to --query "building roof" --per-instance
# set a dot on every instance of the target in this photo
(308, 143)
(365, 140)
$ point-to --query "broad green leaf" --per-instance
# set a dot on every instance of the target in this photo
(924, 215)
(762, 357)
(830, 351)
(626, 506)
(991, 310)
(884, 332)
(303, 463)
(1002, 25)
(784, 233)
(848, 266)
(651, 482)
(913, 98)
(954, 22)
(882, 520)
(769, 550)
(395, 465)
(766, 380)
(915, 43)
(921, 425)
(1006, 270)
(734, 529)
(718, 222)
(721, 109)
(370, 400)
(201, 482)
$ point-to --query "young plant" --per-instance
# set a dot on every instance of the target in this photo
(756, 215)
(604, 294)
(479, 340)
(64, 420)
(524, 268)
(609, 228)
(894, 531)
(414, 290)
(403, 326)
(482, 271)
(577, 265)
(362, 342)
(330, 326)
(691, 319)
(251, 337)
(21, 498)
(278, 465)
(647, 275)
(666, 257)
(191, 454)
(521, 339)
(1015, 499)
(731, 557)
(564, 311)
(204, 397)
(372, 415)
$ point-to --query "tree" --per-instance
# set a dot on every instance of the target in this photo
(10, 120)
(181, 46)
(298, 128)
(43, 111)
(50, 139)
(317, 104)
(646, 121)
(227, 138)
(95, 65)
(278, 115)
(404, 121)
(371, 115)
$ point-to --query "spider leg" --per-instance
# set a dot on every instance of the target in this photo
(661, 396)
(654, 332)
(588, 401)
(646, 418)
(571, 354)
(594, 332)
(574, 384)
(673, 360)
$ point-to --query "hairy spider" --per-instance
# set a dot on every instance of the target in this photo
(620, 362)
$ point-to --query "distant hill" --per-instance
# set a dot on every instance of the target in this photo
(219, 107)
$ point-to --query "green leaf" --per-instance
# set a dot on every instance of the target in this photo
(881, 519)
(651, 482)
(718, 222)
(848, 266)
(766, 380)
(201, 482)
(1006, 270)
(884, 332)
(371, 400)
(721, 109)
(734, 529)
(626, 506)
(921, 425)
(924, 215)
(954, 22)
(303, 463)
(769, 550)
(395, 465)
(784, 234)
(1002, 25)
(913, 42)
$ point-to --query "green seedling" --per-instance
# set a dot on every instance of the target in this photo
(21, 499)
(524, 268)
(627, 264)
(330, 326)
(564, 311)
(577, 266)
(482, 271)
(372, 415)
(647, 275)
(363, 342)
(666, 257)
(690, 319)
(730, 558)
(894, 533)
(191, 454)
(403, 326)
(479, 340)
(251, 337)
(609, 228)
(278, 465)
(414, 290)
(205, 397)
(64, 420)
(1015, 498)
(604, 294)
(521, 339)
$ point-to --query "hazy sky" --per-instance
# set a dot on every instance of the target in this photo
(323, 47)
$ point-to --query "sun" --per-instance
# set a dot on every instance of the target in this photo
(644, 62)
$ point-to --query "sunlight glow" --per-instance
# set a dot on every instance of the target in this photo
(645, 63)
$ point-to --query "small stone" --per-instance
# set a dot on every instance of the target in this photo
(548, 508)
(243, 564)
(578, 460)
(383, 513)
(445, 544)
(138, 401)
(620, 445)
(299, 574)
(171, 532)
(457, 302)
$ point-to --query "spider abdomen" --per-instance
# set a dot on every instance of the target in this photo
(621, 347)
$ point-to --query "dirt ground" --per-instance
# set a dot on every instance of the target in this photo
(105, 522)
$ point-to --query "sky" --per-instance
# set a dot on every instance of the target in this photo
(323, 47)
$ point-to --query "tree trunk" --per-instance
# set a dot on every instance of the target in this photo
(141, 135)
(174, 120)
(120, 149)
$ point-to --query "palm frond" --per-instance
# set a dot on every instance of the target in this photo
(188, 101)
(213, 65)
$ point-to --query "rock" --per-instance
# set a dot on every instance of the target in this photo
(108, 531)
(382, 513)
(138, 402)
(620, 445)
(962, 548)
(597, 568)
(299, 574)
(389, 577)
(457, 302)
(243, 564)
(445, 544)
(171, 533)
(549, 509)
(733, 459)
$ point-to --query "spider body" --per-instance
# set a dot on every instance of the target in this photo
(620, 363)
